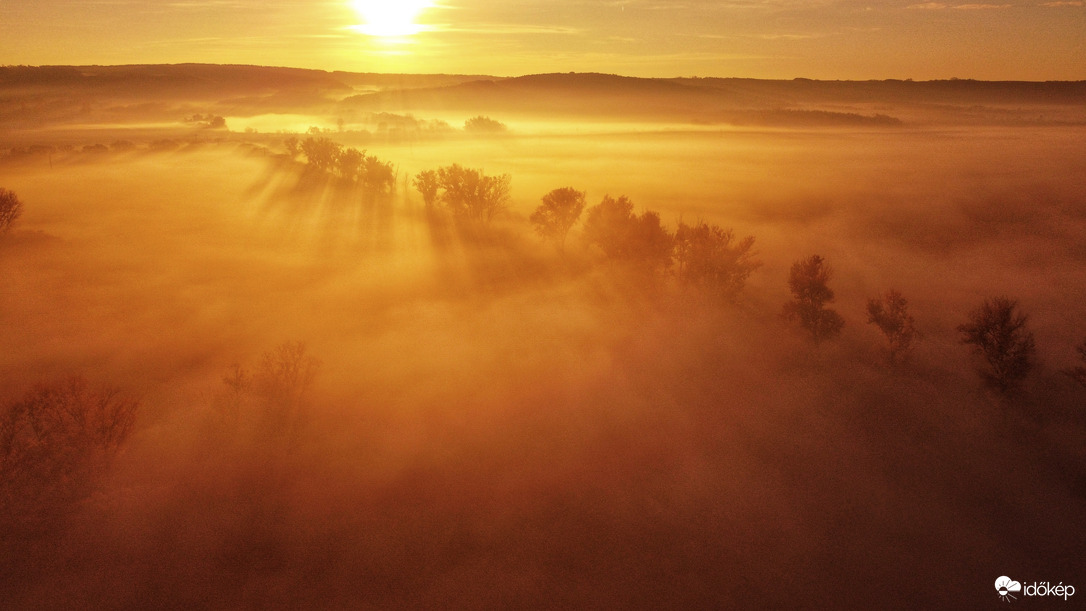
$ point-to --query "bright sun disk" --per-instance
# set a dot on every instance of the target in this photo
(387, 19)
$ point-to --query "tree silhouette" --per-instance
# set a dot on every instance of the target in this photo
(322, 153)
(484, 125)
(710, 257)
(997, 330)
(622, 235)
(427, 184)
(808, 280)
(350, 162)
(54, 443)
(278, 390)
(1078, 373)
(467, 193)
(556, 215)
(293, 146)
(890, 314)
(10, 209)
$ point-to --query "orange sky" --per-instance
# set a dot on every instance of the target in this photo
(827, 39)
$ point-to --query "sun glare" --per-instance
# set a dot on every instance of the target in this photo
(386, 19)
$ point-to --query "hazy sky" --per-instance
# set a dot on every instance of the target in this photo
(847, 39)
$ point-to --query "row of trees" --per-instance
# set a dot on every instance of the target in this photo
(468, 194)
(712, 258)
(997, 329)
(348, 163)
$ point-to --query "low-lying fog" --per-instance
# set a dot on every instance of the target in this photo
(483, 420)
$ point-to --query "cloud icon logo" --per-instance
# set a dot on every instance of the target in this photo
(1005, 585)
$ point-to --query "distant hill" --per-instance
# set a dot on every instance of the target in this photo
(740, 101)
(36, 96)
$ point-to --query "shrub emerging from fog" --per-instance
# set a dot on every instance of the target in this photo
(556, 215)
(997, 331)
(484, 125)
(54, 444)
(711, 257)
(808, 280)
(466, 193)
(1078, 373)
(622, 235)
(10, 209)
(890, 313)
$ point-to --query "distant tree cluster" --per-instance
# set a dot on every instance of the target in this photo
(208, 121)
(704, 255)
(348, 163)
(484, 125)
(468, 194)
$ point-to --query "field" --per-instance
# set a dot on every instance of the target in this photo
(353, 400)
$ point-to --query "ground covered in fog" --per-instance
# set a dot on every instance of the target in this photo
(346, 400)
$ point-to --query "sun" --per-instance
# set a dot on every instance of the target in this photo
(390, 18)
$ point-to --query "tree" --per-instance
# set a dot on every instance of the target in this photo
(10, 209)
(350, 164)
(622, 235)
(484, 125)
(54, 443)
(808, 280)
(890, 314)
(376, 175)
(322, 153)
(559, 211)
(1078, 373)
(710, 257)
(427, 184)
(997, 330)
(468, 194)
(275, 395)
(292, 145)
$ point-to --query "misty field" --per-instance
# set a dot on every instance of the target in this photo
(352, 400)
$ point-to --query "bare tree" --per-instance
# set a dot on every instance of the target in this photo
(711, 257)
(890, 314)
(274, 396)
(808, 280)
(10, 209)
(54, 444)
(997, 330)
(1078, 373)
(556, 215)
